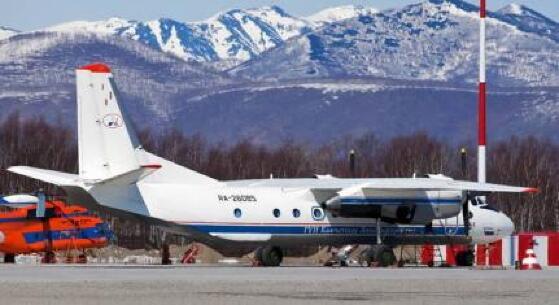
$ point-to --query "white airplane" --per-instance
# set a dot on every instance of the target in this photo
(267, 215)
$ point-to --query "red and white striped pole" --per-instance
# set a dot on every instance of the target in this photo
(482, 133)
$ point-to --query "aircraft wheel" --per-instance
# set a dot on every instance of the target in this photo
(271, 256)
(385, 256)
(9, 258)
(465, 258)
(369, 256)
(49, 258)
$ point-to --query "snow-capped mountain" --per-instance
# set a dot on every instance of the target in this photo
(391, 72)
(6, 32)
(233, 36)
(528, 20)
(230, 37)
(432, 40)
(37, 74)
(338, 13)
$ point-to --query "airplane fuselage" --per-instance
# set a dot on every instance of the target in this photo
(220, 214)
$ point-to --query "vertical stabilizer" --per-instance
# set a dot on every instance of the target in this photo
(106, 141)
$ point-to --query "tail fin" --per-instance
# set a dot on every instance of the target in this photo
(106, 140)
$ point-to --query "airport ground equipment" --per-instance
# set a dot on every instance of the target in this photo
(38, 225)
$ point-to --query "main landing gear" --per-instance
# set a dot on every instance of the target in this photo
(379, 255)
(465, 258)
(268, 256)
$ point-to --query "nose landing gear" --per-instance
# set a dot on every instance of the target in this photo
(465, 258)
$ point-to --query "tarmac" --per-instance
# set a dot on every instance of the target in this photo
(137, 285)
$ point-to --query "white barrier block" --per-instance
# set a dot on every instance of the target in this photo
(540, 249)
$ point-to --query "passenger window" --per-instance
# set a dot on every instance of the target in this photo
(317, 213)
(296, 213)
(276, 213)
(238, 213)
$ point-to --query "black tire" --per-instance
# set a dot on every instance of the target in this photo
(385, 256)
(9, 258)
(272, 256)
(469, 258)
(49, 258)
(465, 258)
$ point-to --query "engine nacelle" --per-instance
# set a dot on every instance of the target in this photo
(410, 208)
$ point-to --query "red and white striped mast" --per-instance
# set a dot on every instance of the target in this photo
(482, 133)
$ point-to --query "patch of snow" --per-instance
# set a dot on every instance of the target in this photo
(110, 26)
(7, 32)
(513, 9)
(338, 13)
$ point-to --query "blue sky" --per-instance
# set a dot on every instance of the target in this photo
(35, 14)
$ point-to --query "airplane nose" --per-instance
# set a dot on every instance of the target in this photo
(507, 226)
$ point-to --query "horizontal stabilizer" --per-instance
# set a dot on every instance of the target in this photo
(64, 179)
(45, 175)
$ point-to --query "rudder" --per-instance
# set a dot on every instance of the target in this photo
(106, 140)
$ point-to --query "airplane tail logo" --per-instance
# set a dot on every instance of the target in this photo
(107, 142)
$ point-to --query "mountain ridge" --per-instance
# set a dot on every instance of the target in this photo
(392, 72)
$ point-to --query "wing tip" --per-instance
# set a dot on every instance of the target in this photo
(531, 190)
(151, 166)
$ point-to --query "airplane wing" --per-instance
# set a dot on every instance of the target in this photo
(444, 185)
(403, 184)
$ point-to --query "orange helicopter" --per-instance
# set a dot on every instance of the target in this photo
(46, 226)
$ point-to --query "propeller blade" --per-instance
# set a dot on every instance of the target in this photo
(40, 212)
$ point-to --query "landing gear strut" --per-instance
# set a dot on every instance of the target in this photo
(269, 256)
(379, 255)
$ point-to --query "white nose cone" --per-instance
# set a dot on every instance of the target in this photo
(2, 237)
(507, 226)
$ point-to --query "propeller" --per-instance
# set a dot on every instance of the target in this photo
(467, 197)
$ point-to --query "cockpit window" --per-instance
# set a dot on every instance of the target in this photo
(476, 201)
(488, 231)
(489, 207)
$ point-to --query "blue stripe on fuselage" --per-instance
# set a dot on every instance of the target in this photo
(85, 233)
(325, 230)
